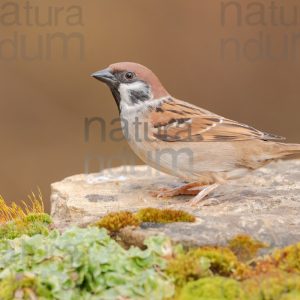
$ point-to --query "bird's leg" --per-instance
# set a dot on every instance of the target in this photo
(187, 189)
(202, 194)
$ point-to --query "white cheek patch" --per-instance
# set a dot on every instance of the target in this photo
(126, 90)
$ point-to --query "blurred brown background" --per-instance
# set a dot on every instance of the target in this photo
(47, 93)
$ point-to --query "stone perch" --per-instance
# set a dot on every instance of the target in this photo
(265, 204)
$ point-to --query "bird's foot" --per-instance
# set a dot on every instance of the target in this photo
(187, 189)
(202, 194)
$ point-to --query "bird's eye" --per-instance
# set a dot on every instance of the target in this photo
(129, 75)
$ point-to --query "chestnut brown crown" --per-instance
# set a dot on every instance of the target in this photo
(128, 72)
(141, 73)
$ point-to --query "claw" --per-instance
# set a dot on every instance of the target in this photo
(187, 189)
(202, 194)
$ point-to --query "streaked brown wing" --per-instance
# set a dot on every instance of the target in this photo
(176, 120)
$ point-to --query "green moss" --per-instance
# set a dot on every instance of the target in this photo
(7, 288)
(30, 225)
(188, 267)
(222, 260)
(214, 288)
(274, 286)
(115, 221)
(42, 217)
(245, 247)
(164, 215)
(203, 262)
(291, 296)
(21, 286)
(288, 258)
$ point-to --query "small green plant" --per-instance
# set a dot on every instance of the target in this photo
(30, 225)
(38, 217)
(164, 215)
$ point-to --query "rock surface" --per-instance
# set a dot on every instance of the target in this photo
(264, 204)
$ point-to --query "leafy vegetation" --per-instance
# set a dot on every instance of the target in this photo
(82, 264)
(38, 262)
(29, 225)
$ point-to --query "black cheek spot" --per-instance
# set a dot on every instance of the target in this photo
(139, 96)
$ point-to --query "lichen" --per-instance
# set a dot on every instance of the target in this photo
(245, 247)
(213, 288)
(164, 215)
(115, 221)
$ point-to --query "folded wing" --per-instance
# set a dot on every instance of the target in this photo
(176, 120)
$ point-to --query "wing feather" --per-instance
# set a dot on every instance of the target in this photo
(176, 120)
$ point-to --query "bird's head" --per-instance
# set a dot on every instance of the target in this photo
(131, 84)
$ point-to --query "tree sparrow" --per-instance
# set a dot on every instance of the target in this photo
(184, 140)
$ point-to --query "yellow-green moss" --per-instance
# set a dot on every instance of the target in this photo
(206, 261)
(188, 267)
(294, 295)
(41, 217)
(213, 288)
(164, 215)
(22, 284)
(288, 258)
(279, 285)
(7, 288)
(245, 247)
(115, 221)
(222, 260)
(29, 225)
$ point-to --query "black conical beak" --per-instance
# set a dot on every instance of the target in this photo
(106, 76)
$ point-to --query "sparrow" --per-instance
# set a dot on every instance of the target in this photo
(202, 148)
